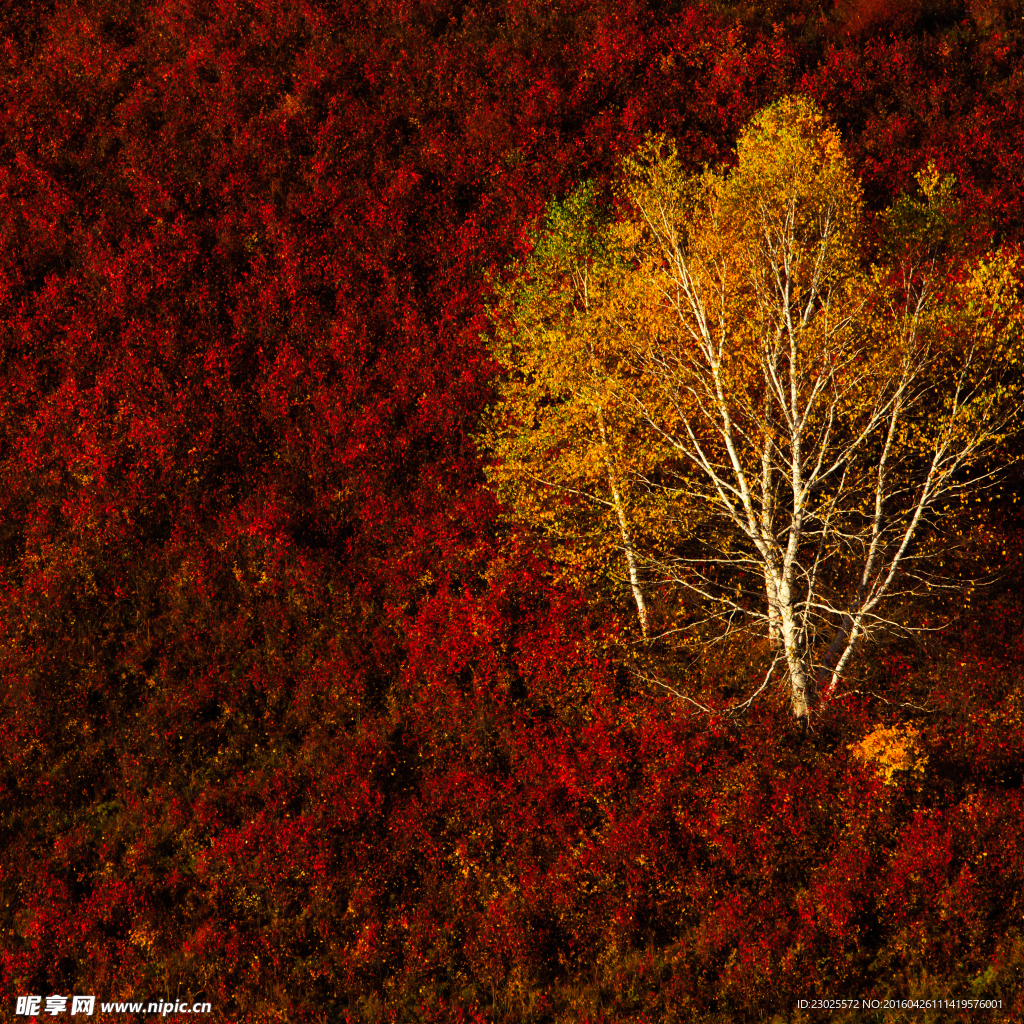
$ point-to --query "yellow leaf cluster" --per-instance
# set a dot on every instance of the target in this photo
(891, 750)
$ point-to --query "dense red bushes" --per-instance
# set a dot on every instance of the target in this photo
(287, 722)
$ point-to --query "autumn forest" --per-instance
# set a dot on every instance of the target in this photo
(509, 510)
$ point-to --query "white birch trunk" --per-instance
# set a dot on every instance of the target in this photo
(627, 540)
(801, 693)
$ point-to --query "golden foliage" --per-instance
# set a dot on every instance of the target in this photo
(716, 394)
(890, 750)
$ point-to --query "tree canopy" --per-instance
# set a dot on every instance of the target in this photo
(731, 389)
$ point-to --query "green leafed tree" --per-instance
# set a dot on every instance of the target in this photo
(720, 396)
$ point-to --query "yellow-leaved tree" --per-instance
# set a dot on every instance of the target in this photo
(570, 448)
(720, 389)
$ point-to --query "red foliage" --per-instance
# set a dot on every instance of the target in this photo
(289, 724)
